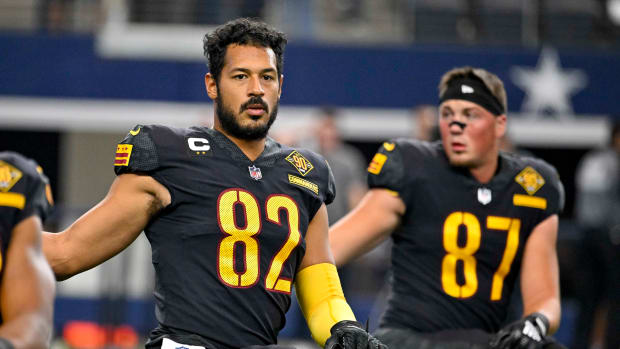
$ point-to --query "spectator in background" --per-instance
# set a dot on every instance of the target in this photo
(425, 117)
(597, 212)
(347, 164)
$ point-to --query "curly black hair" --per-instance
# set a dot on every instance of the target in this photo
(241, 31)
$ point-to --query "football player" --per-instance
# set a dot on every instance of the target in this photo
(27, 288)
(234, 219)
(466, 221)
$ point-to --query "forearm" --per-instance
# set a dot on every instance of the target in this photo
(550, 307)
(321, 299)
(540, 274)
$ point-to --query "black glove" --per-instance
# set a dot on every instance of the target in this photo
(350, 335)
(527, 333)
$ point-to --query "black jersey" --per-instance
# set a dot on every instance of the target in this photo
(24, 191)
(227, 248)
(458, 250)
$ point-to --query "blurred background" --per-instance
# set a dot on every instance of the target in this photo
(76, 75)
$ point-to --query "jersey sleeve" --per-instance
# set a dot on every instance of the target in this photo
(137, 152)
(318, 178)
(555, 192)
(546, 185)
(39, 199)
(386, 169)
(330, 189)
(33, 186)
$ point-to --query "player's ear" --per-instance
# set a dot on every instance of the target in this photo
(280, 89)
(500, 125)
(211, 86)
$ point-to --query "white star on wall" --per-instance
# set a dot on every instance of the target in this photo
(548, 87)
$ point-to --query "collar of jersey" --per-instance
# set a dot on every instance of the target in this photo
(267, 157)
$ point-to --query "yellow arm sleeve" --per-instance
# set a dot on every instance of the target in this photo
(321, 299)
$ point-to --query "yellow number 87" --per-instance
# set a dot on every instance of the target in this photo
(454, 253)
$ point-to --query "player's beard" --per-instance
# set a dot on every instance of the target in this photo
(229, 122)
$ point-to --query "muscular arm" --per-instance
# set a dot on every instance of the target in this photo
(540, 285)
(317, 246)
(27, 291)
(371, 222)
(107, 228)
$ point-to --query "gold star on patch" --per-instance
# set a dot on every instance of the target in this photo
(530, 180)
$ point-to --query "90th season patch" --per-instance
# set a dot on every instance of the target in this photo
(298, 161)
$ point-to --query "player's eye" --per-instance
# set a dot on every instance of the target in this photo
(239, 76)
(445, 114)
(268, 77)
(470, 114)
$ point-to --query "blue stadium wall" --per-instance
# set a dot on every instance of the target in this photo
(314, 75)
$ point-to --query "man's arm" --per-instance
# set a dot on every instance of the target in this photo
(540, 290)
(320, 295)
(540, 280)
(27, 291)
(107, 228)
(362, 229)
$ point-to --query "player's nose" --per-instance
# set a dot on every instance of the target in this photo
(255, 88)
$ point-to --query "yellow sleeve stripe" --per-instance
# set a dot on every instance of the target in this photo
(321, 299)
(392, 192)
(13, 200)
(529, 201)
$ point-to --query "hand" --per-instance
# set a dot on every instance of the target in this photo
(527, 333)
(350, 335)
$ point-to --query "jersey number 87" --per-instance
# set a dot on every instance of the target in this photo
(466, 253)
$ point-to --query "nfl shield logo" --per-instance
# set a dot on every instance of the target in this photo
(255, 172)
(484, 195)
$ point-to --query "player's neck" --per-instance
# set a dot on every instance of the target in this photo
(485, 172)
(251, 148)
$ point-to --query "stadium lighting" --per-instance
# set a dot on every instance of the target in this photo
(613, 8)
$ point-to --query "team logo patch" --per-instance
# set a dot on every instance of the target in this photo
(467, 89)
(377, 163)
(484, 195)
(123, 153)
(389, 146)
(255, 172)
(313, 187)
(9, 175)
(530, 180)
(136, 131)
(299, 162)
